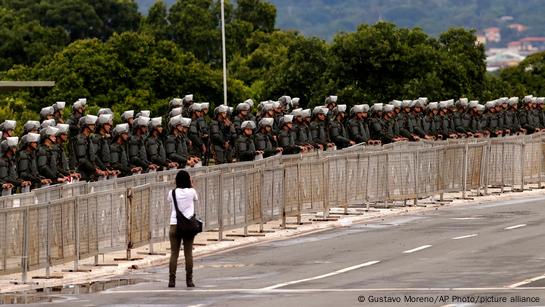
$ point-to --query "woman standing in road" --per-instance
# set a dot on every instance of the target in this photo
(181, 204)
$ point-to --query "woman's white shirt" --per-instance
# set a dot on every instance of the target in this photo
(185, 199)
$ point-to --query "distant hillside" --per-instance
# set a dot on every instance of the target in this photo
(324, 18)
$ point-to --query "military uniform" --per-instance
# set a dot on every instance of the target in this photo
(8, 171)
(156, 151)
(220, 134)
(27, 168)
(245, 148)
(339, 134)
(119, 159)
(319, 133)
(47, 161)
(264, 142)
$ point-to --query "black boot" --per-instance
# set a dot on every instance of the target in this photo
(189, 279)
(172, 282)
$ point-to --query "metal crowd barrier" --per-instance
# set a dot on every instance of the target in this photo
(64, 223)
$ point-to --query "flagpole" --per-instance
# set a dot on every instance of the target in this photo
(223, 53)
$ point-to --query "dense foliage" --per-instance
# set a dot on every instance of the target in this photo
(106, 51)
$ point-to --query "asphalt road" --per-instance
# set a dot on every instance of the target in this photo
(473, 255)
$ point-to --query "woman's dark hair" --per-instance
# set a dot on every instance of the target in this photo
(183, 180)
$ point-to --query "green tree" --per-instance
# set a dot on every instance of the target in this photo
(23, 42)
(157, 20)
(260, 13)
(302, 73)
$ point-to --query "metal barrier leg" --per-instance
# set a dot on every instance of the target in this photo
(24, 257)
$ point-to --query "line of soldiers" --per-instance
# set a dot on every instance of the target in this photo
(90, 147)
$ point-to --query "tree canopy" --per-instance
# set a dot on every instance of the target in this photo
(116, 58)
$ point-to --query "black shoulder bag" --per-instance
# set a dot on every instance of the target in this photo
(185, 226)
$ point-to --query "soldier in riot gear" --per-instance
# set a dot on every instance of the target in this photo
(245, 147)
(154, 145)
(264, 140)
(286, 137)
(84, 150)
(137, 147)
(222, 135)
(127, 117)
(8, 129)
(244, 114)
(58, 108)
(510, 117)
(432, 121)
(63, 165)
(301, 128)
(26, 162)
(31, 126)
(47, 113)
(417, 118)
(187, 103)
(478, 123)
(358, 128)
(177, 143)
(47, 158)
(492, 119)
(175, 103)
(101, 141)
(78, 111)
(460, 118)
(118, 152)
(318, 128)
(9, 179)
(337, 131)
(330, 103)
(285, 102)
(197, 133)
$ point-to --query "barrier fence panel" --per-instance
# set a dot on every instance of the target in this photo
(208, 187)
(401, 174)
(110, 216)
(75, 189)
(337, 189)
(271, 196)
(452, 167)
(234, 200)
(12, 232)
(253, 197)
(138, 216)
(293, 190)
(101, 185)
(533, 158)
(311, 188)
(476, 158)
(47, 194)
(160, 211)
(63, 230)
(38, 224)
(356, 175)
(427, 171)
(87, 234)
(17, 200)
(377, 177)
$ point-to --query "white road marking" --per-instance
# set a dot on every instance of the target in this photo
(467, 218)
(525, 282)
(417, 249)
(265, 290)
(355, 267)
(515, 227)
(465, 237)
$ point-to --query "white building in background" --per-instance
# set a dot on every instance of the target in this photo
(501, 58)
